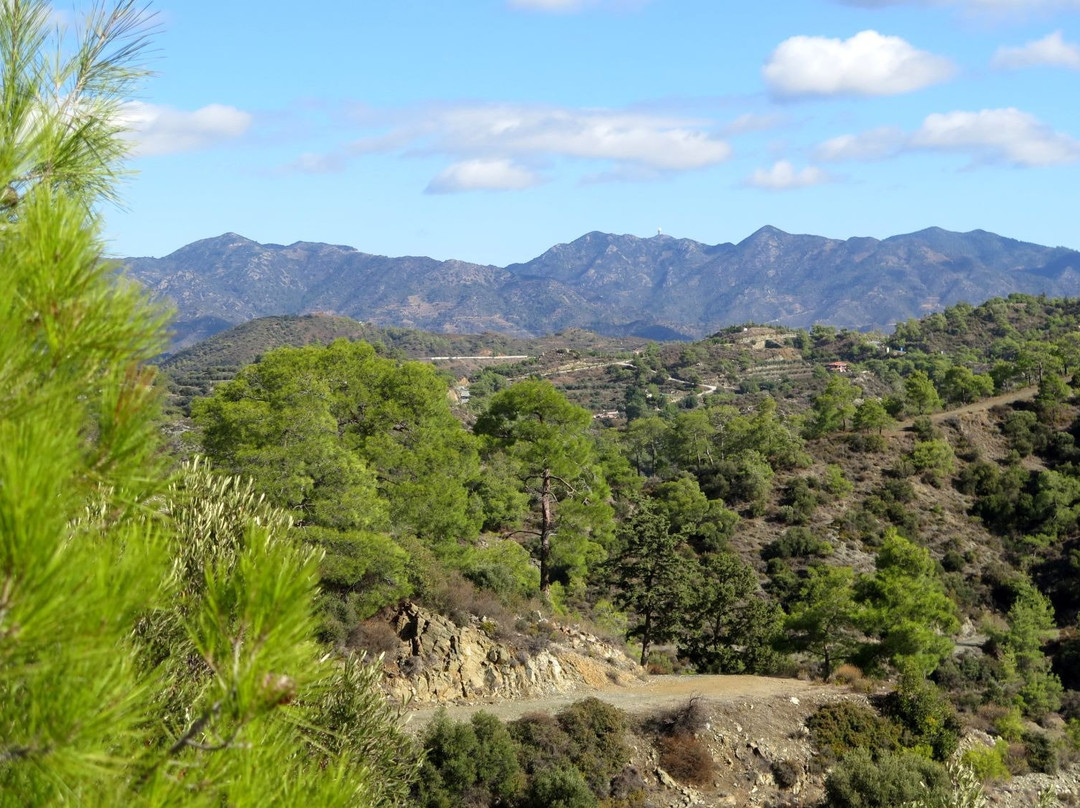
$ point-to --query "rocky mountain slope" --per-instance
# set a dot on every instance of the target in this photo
(659, 287)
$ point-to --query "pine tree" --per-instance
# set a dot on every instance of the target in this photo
(651, 571)
(154, 641)
(546, 439)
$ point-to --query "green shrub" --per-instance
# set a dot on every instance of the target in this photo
(660, 663)
(840, 728)
(505, 568)
(867, 443)
(988, 762)
(473, 763)
(925, 716)
(1042, 754)
(449, 766)
(796, 542)
(889, 781)
(542, 743)
(835, 482)
(498, 772)
(799, 502)
(597, 741)
(559, 788)
(967, 791)
(924, 428)
(934, 458)
(1010, 725)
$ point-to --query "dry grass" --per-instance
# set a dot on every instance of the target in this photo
(687, 759)
(853, 677)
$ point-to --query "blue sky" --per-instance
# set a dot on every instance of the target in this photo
(489, 130)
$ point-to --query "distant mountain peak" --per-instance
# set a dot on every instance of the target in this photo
(766, 232)
(230, 238)
(624, 285)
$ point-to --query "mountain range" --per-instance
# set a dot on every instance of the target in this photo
(619, 285)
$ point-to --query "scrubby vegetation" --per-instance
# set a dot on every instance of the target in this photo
(752, 532)
(575, 758)
(802, 520)
(733, 504)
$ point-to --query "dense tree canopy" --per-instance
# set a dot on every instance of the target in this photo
(324, 428)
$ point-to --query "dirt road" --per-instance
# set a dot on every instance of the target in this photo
(654, 692)
(982, 405)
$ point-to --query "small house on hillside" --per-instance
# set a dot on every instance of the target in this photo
(459, 393)
(837, 367)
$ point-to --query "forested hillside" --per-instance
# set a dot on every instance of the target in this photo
(187, 598)
(819, 502)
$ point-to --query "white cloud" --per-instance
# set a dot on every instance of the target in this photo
(873, 144)
(990, 136)
(997, 136)
(160, 130)
(634, 144)
(1052, 50)
(783, 176)
(482, 175)
(867, 64)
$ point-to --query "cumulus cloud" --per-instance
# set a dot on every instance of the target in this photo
(160, 130)
(997, 136)
(487, 140)
(990, 136)
(654, 141)
(783, 176)
(482, 175)
(1052, 50)
(867, 64)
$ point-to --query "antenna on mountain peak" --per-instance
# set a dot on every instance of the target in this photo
(659, 231)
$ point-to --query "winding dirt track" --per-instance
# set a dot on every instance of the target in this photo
(982, 405)
(654, 692)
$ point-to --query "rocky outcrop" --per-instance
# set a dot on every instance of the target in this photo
(440, 661)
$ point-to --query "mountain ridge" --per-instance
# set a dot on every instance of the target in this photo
(619, 285)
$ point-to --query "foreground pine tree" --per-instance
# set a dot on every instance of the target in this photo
(154, 635)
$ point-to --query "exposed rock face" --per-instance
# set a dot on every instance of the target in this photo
(439, 661)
